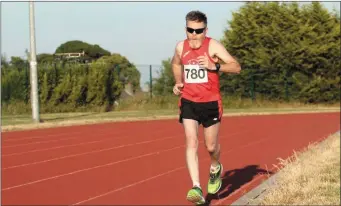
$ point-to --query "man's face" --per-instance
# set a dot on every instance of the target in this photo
(195, 39)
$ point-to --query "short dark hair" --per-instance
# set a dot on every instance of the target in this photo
(197, 16)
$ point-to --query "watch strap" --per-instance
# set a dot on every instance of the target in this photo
(217, 66)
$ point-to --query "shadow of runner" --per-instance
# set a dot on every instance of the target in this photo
(234, 179)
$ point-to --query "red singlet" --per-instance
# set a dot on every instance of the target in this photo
(200, 84)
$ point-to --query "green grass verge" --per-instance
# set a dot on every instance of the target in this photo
(141, 108)
(17, 122)
(57, 117)
(144, 102)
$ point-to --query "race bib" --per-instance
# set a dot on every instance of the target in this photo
(195, 74)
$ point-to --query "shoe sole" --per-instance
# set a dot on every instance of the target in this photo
(221, 169)
(196, 199)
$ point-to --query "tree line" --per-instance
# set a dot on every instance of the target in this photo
(287, 52)
(95, 80)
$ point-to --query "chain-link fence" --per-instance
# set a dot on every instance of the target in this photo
(62, 81)
(97, 84)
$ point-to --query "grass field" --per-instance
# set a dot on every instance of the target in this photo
(310, 177)
(18, 122)
(17, 116)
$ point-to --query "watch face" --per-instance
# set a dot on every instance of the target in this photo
(217, 66)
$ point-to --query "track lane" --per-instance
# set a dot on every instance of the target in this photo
(318, 125)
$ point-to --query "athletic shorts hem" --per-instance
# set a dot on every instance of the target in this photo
(205, 113)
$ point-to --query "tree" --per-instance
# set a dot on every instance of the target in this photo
(70, 85)
(76, 46)
(127, 71)
(45, 58)
(164, 84)
(284, 49)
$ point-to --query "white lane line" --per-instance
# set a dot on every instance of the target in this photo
(51, 148)
(100, 166)
(69, 145)
(86, 153)
(41, 142)
(14, 139)
(39, 137)
(87, 169)
(77, 136)
(162, 174)
(131, 185)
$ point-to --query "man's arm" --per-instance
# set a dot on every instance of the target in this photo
(176, 63)
(231, 65)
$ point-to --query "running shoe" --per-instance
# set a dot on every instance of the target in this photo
(195, 196)
(215, 181)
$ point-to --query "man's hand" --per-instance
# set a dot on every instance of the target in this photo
(206, 63)
(177, 88)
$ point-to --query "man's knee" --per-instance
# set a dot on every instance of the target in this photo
(212, 147)
(192, 142)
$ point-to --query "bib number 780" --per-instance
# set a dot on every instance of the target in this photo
(195, 74)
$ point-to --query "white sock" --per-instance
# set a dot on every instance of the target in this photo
(214, 168)
(196, 184)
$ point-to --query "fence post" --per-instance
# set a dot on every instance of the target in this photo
(286, 87)
(150, 81)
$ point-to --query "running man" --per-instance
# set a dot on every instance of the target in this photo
(196, 71)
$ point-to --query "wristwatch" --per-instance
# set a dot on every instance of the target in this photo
(217, 66)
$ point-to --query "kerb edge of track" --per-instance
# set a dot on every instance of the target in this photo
(257, 194)
(57, 125)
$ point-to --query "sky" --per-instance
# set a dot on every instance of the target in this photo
(144, 32)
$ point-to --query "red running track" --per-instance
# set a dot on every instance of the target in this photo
(144, 162)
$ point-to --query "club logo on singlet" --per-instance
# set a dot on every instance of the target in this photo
(193, 73)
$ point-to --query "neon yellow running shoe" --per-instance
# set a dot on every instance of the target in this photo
(215, 181)
(195, 196)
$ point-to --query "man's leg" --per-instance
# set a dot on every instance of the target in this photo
(191, 132)
(213, 147)
(212, 144)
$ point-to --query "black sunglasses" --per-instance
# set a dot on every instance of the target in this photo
(197, 31)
